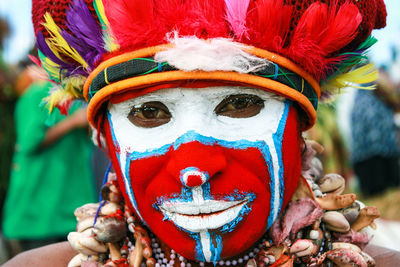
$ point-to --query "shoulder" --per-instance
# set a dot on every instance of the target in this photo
(55, 255)
(383, 256)
(61, 253)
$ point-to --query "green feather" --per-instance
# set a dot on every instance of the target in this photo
(52, 69)
(358, 56)
(100, 15)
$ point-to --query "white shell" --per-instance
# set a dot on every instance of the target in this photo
(336, 221)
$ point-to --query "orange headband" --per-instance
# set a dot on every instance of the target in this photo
(172, 77)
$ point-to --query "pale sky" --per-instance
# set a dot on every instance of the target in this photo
(21, 39)
(390, 35)
(17, 12)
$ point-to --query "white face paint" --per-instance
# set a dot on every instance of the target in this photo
(193, 110)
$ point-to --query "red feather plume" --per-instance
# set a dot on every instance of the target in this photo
(141, 23)
(321, 31)
(269, 24)
(202, 18)
(133, 23)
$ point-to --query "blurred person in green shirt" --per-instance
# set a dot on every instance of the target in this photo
(51, 172)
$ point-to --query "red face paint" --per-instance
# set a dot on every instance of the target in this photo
(234, 173)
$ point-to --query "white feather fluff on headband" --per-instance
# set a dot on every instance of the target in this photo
(218, 54)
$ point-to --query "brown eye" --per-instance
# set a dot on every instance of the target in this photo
(240, 106)
(150, 114)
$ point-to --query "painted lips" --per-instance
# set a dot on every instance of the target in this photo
(199, 216)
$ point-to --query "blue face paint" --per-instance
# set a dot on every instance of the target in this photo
(216, 247)
(199, 247)
(186, 194)
(214, 237)
(192, 136)
(206, 191)
(246, 209)
(112, 130)
(278, 138)
(127, 183)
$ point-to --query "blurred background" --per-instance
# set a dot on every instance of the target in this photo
(48, 164)
(359, 145)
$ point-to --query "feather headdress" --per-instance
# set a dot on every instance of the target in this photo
(299, 44)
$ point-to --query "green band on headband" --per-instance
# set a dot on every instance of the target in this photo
(142, 66)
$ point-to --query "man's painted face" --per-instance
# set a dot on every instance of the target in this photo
(209, 169)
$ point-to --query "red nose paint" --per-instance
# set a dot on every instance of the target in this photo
(193, 180)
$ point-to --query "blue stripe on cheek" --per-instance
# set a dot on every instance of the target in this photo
(268, 159)
(191, 136)
(278, 138)
(129, 189)
(150, 153)
(127, 178)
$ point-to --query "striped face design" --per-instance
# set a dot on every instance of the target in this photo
(207, 169)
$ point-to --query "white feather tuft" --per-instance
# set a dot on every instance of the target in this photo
(218, 54)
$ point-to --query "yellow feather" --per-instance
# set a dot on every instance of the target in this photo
(57, 97)
(54, 98)
(356, 78)
(52, 68)
(58, 44)
(110, 44)
(74, 85)
(70, 88)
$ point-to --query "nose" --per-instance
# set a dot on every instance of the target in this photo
(195, 163)
(192, 177)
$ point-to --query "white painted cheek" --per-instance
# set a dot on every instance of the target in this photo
(190, 110)
(256, 128)
(193, 110)
(130, 137)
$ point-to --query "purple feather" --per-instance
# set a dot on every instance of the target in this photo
(41, 44)
(87, 35)
(78, 71)
(45, 49)
(82, 24)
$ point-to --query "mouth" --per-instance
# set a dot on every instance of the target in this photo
(207, 215)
